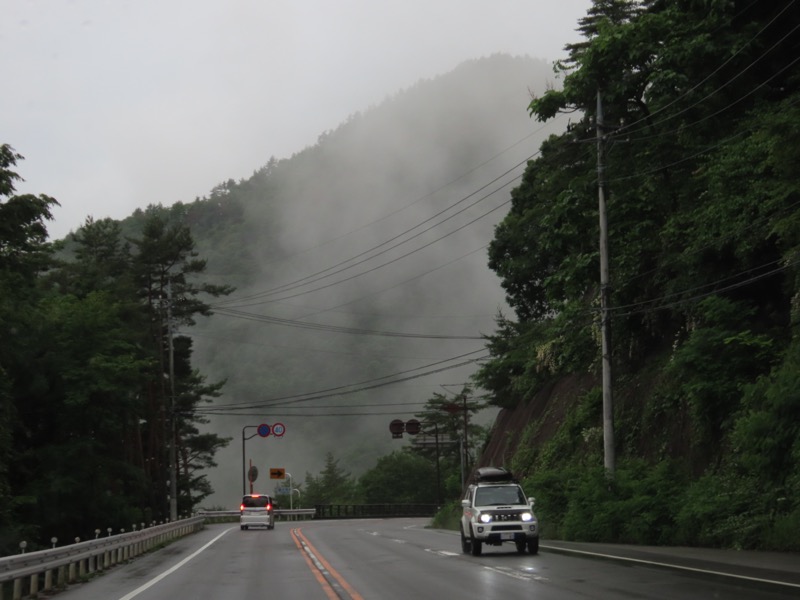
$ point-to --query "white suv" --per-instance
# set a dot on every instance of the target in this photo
(496, 510)
(257, 510)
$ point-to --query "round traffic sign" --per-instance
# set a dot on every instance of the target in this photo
(264, 430)
(278, 429)
(412, 427)
(397, 427)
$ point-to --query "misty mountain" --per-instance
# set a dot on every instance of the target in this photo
(360, 261)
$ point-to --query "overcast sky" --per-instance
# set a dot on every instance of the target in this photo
(119, 104)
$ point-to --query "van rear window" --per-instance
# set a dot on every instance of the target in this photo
(255, 501)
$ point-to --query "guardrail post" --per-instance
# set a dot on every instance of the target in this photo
(17, 593)
(34, 584)
(61, 576)
(48, 580)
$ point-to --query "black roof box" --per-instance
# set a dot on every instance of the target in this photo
(487, 474)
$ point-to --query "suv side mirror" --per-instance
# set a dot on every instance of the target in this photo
(531, 500)
(465, 503)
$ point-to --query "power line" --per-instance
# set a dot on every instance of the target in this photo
(337, 329)
(313, 278)
(341, 390)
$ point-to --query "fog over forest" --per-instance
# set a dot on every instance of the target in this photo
(381, 226)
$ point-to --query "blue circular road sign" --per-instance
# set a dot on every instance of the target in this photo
(264, 430)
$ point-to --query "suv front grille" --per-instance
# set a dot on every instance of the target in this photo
(506, 515)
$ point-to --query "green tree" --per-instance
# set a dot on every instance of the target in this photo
(402, 477)
(333, 485)
(23, 234)
(80, 418)
(166, 270)
(24, 254)
(460, 438)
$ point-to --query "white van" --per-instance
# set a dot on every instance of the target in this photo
(257, 510)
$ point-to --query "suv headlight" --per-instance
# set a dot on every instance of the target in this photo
(526, 516)
(485, 518)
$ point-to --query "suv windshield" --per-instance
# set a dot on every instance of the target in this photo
(255, 501)
(499, 495)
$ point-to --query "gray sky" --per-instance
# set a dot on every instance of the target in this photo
(119, 104)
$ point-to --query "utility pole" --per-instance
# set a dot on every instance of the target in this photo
(466, 439)
(173, 452)
(609, 459)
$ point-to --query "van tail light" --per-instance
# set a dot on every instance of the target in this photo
(269, 506)
(241, 508)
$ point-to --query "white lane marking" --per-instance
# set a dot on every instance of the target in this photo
(674, 566)
(442, 552)
(171, 570)
(508, 572)
(517, 575)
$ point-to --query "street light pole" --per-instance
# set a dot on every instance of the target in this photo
(291, 486)
(173, 452)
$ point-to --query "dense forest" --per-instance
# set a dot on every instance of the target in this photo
(698, 136)
(108, 345)
(95, 383)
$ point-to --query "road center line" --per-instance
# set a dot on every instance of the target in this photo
(317, 557)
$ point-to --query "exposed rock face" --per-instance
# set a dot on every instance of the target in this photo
(545, 412)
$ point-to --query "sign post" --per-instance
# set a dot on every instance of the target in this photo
(263, 430)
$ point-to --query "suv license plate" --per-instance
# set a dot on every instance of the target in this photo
(506, 536)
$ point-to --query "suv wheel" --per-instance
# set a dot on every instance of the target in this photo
(533, 546)
(475, 546)
(520, 546)
(466, 545)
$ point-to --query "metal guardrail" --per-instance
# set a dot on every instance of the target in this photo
(279, 512)
(342, 511)
(379, 511)
(25, 575)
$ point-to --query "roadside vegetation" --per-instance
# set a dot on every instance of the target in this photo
(702, 124)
